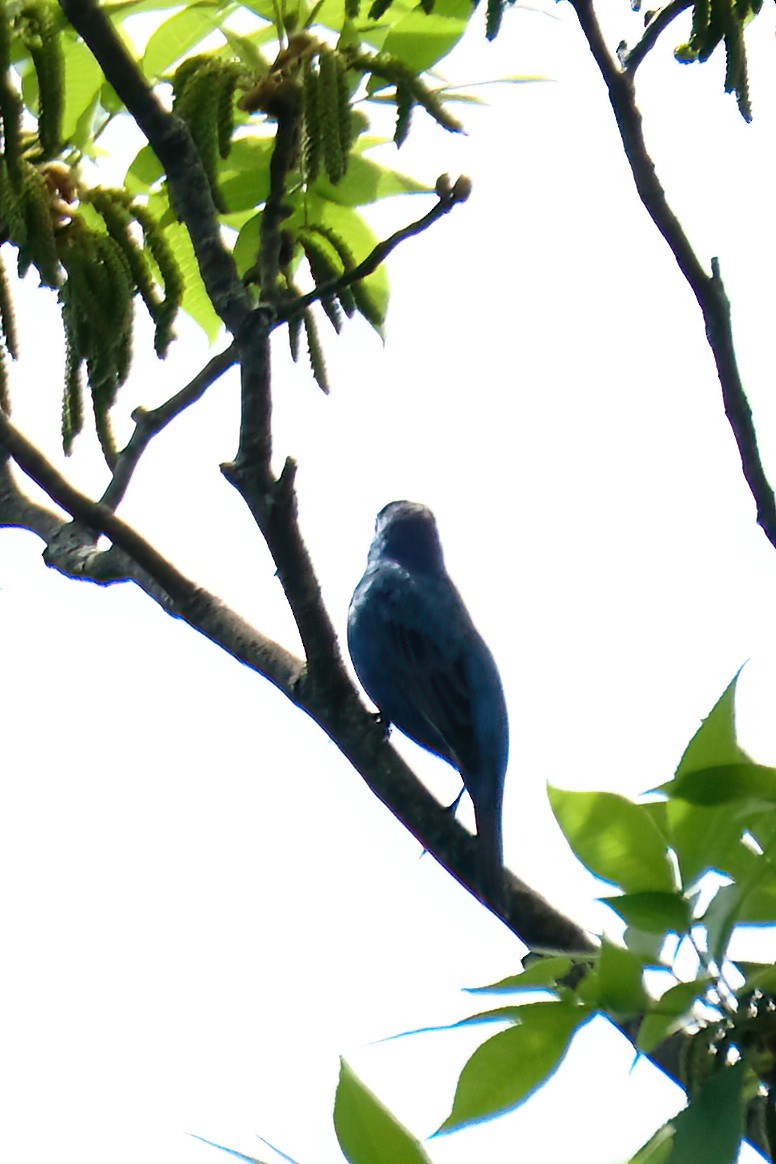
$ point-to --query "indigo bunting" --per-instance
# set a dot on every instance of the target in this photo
(421, 661)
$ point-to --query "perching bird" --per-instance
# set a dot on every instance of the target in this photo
(422, 662)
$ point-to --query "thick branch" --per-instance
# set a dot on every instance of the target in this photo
(340, 713)
(337, 710)
(708, 289)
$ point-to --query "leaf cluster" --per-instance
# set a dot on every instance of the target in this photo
(717, 22)
(98, 248)
(106, 267)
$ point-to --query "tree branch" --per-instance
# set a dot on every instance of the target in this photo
(340, 713)
(709, 290)
(378, 255)
(148, 423)
(172, 143)
(658, 23)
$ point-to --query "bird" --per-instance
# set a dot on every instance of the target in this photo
(424, 665)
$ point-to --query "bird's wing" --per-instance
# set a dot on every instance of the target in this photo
(420, 679)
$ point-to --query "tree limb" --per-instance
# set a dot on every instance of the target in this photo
(373, 260)
(150, 422)
(658, 23)
(172, 143)
(708, 290)
(341, 714)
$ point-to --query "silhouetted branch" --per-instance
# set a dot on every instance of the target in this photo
(708, 289)
(658, 22)
(150, 422)
(373, 260)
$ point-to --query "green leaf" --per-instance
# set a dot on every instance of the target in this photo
(648, 946)
(181, 33)
(365, 181)
(659, 913)
(119, 10)
(196, 302)
(669, 1012)
(351, 227)
(720, 918)
(420, 40)
(83, 81)
(615, 984)
(244, 176)
(615, 839)
(711, 1126)
(366, 1130)
(757, 976)
(508, 1067)
(715, 741)
(657, 1150)
(724, 784)
(538, 973)
(702, 838)
(145, 170)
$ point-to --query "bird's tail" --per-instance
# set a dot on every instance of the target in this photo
(488, 817)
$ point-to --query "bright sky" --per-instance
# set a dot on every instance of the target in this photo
(204, 906)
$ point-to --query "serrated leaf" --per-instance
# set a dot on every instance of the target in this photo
(659, 913)
(615, 839)
(367, 1132)
(715, 741)
(504, 1071)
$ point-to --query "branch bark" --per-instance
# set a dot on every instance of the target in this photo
(708, 289)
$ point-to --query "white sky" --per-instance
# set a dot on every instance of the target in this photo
(203, 905)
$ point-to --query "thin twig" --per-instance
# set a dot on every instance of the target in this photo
(658, 23)
(708, 289)
(373, 260)
(149, 423)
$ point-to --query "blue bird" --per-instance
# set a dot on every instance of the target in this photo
(421, 661)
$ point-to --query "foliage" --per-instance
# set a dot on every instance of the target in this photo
(694, 869)
(716, 22)
(274, 103)
(283, 140)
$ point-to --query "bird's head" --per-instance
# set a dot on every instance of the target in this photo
(406, 532)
